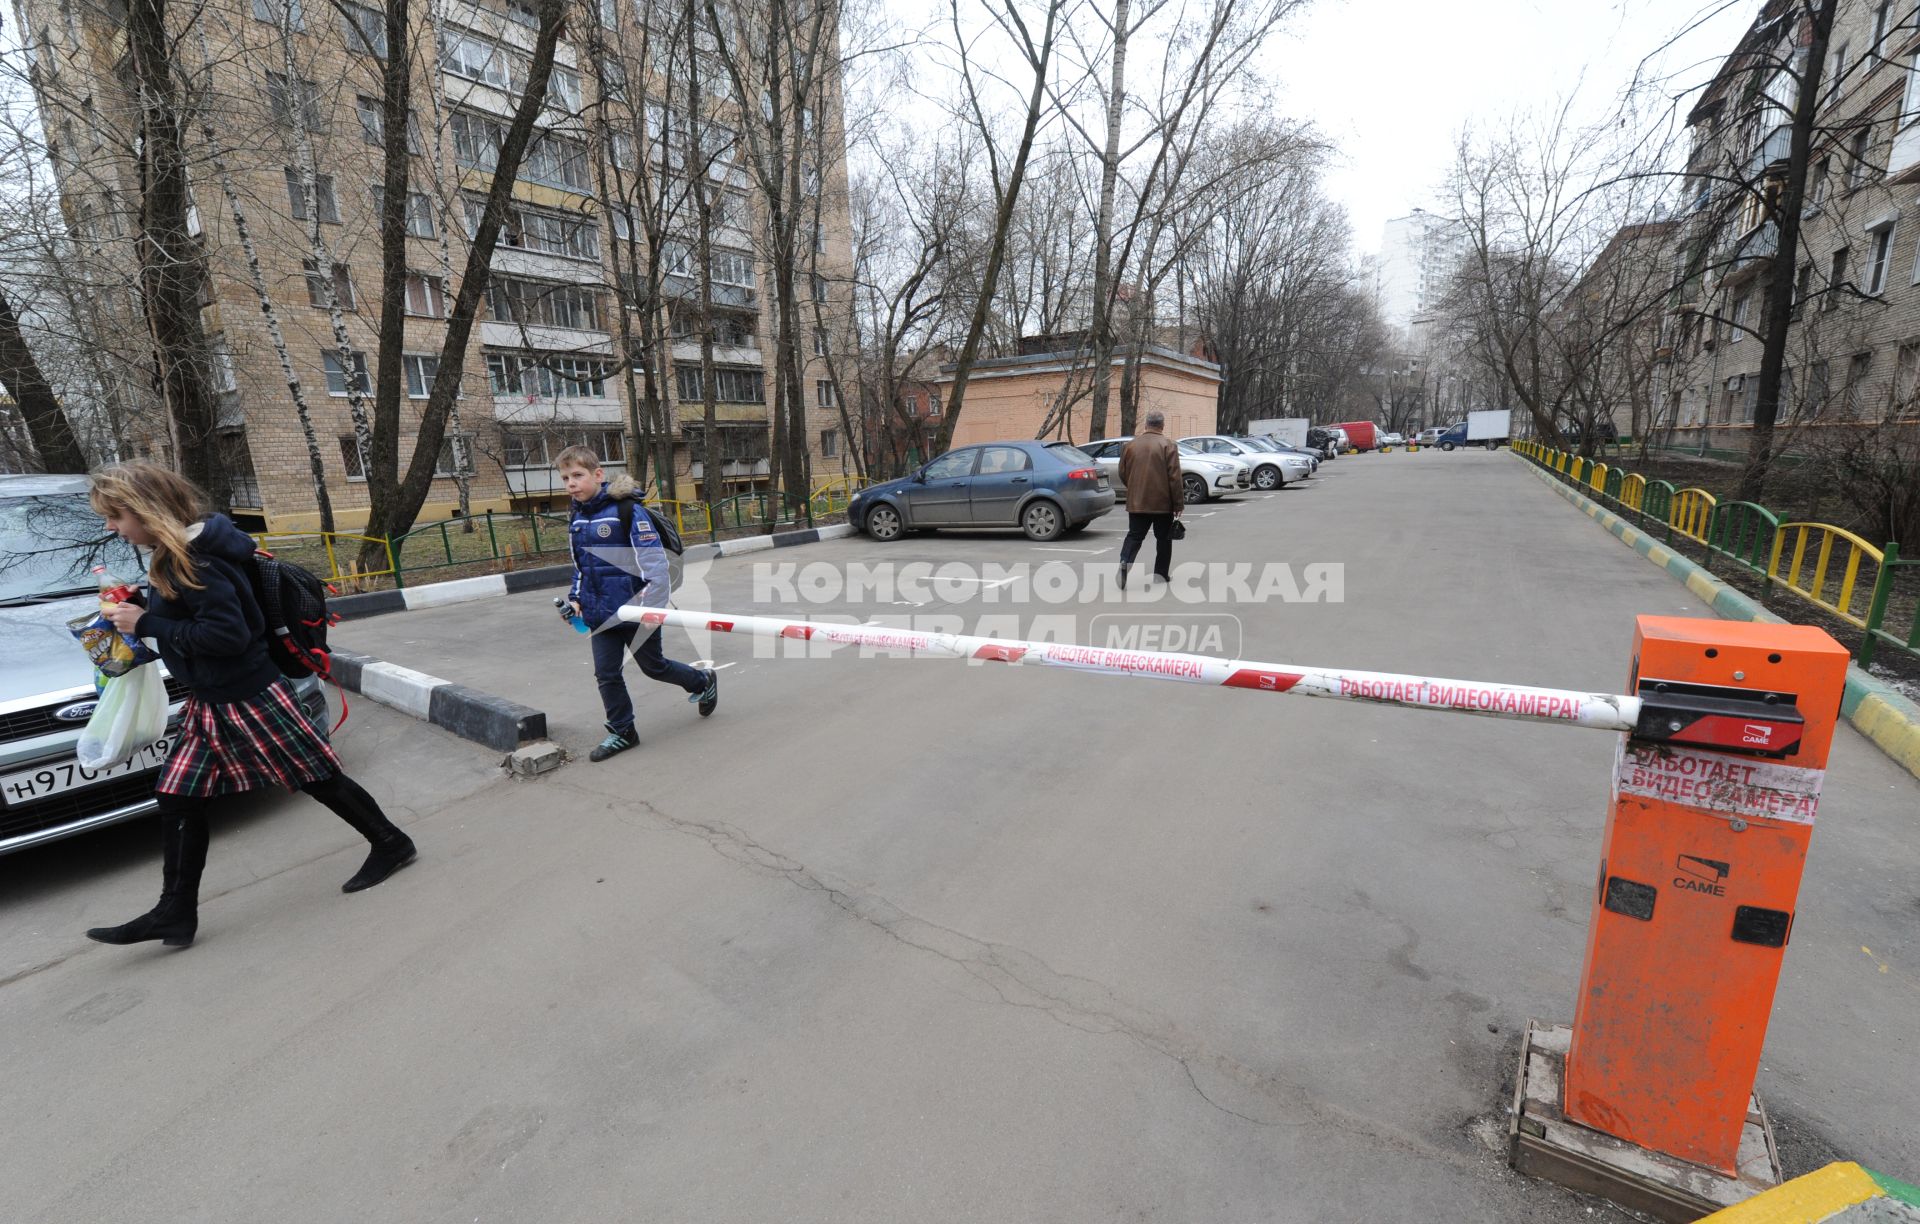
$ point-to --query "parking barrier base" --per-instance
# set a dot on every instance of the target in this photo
(1543, 1142)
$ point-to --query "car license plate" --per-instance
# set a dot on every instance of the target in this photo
(1104, 486)
(48, 780)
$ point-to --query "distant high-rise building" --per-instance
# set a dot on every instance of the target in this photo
(1417, 254)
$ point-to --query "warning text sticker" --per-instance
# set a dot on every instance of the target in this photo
(1763, 790)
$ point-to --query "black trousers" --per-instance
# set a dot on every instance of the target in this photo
(1137, 525)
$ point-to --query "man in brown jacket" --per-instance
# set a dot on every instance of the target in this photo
(1150, 469)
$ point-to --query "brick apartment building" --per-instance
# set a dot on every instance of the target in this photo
(1853, 353)
(542, 368)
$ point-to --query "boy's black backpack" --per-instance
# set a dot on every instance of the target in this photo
(669, 538)
(294, 602)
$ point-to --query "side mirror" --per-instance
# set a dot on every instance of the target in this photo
(920, 477)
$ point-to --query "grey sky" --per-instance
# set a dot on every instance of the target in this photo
(1393, 81)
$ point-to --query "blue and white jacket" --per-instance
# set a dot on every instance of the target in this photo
(609, 571)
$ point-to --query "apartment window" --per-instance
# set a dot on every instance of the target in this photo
(474, 58)
(734, 268)
(476, 140)
(1749, 399)
(563, 89)
(520, 301)
(829, 443)
(609, 13)
(1910, 96)
(291, 97)
(420, 374)
(1803, 285)
(325, 206)
(1882, 22)
(222, 356)
(522, 12)
(933, 403)
(373, 124)
(317, 286)
(455, 457)
(558, 162)
(366, 29)
(525, 374)
(1817, 183)
(1906, 380)
(1859, 164)
(729, 386)
(426, 298)
(819, 342)
(555, 233)
(1737, 322)
(1858, 367)
(1836, 277)
(1879, 256)
(823, 393)
(819, 288)
(1816, 400)
(1836, 69)
(337, 382)
(352, 457)
(274, 11)
(613, 77)
(911, 403)
(420, 221)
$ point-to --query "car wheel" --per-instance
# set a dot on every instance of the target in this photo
(1446, 446)
(1267, 478)
(1043, 521)
(1194, 488)
(883, 523)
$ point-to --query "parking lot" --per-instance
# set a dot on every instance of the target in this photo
(894, 939)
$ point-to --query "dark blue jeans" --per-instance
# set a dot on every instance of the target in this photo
(610, 647)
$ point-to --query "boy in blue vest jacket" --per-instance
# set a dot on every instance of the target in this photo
(617, 556)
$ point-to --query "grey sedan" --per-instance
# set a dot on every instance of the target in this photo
(1045, 491)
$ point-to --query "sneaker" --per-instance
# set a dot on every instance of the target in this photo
(708, 697)
(615, 743)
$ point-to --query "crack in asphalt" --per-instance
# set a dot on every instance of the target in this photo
(1020, 979)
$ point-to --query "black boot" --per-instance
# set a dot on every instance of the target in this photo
(183, 847)
(348, 800)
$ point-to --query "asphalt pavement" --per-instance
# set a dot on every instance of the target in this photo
(894, 939)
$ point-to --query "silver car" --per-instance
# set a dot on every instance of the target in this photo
(1202, 477)
(1271, 470)
(50, 540)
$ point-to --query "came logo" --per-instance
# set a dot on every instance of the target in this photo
(80, 711)
(1757, 733)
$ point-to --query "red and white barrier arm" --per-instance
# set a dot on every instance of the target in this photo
(1601, 711)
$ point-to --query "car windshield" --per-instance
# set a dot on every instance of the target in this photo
(1258, 444)
(50, 544)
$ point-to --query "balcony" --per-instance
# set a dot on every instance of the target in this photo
(1771, 154)
(737, 296)
(1748, 254)
(688, 352)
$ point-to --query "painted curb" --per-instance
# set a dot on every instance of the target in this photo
(467, 713)
(1876, 709)
(545, 577)
(1842, 1192)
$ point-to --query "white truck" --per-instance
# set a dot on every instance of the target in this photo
(1490, 429)
(1289, 431)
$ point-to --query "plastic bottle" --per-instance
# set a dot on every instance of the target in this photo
(112, 590)
(573, 618)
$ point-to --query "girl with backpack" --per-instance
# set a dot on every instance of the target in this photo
(241, 728)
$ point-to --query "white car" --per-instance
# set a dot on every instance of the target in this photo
(1393, 439)
(1202, 477)
(1271, 470)
(1428, 437)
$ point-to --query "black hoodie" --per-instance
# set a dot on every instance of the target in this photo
(214, 639)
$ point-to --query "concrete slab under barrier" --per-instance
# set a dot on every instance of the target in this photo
(1542, 1142)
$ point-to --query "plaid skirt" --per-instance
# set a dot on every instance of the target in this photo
(245, 745)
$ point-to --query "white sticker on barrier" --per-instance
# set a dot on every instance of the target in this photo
(1735, 786)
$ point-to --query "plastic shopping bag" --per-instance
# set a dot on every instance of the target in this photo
(131, 713)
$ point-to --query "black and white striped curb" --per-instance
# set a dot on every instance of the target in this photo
(467, 713)
(461, 590)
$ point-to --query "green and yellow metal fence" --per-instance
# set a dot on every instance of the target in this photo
(1829, 567)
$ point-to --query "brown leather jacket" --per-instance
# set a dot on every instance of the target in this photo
(1150, 468)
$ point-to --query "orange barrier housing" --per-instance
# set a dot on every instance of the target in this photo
(1701, 862)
